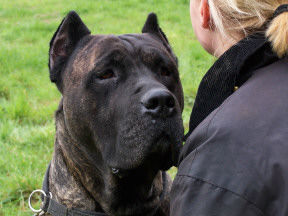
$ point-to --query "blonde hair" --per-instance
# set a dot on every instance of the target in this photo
(239, 18)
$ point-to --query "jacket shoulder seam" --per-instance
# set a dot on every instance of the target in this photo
(224, 189)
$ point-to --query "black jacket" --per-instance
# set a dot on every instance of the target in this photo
(235, 162)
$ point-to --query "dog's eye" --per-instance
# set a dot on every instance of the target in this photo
(164, 71)
(106, 75)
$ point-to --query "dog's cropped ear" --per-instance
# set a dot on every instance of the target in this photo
(63, 43)
(151, 26)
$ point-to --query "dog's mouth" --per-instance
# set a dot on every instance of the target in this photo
(162, 155)
(165, 151)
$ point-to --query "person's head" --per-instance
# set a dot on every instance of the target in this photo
(219, 24)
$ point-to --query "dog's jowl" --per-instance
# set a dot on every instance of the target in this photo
(118, 125)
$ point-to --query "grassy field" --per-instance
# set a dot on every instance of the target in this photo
(28, 99)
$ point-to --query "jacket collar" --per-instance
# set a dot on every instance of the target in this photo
(232, 69)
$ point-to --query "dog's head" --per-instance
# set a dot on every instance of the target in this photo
(122, 104)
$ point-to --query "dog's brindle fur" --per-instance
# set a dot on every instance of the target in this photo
(112, 146)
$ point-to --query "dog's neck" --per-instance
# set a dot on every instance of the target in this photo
(66, 187)
(65, 182)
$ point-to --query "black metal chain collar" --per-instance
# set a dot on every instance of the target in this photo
(54, 208)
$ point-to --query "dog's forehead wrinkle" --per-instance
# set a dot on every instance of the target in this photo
(114, 55)
(109, 48)
(110, 41)
(142, 42)
(127, 43)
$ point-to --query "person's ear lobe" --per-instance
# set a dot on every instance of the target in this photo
(205, 14)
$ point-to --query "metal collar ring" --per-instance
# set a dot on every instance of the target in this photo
(30, 197)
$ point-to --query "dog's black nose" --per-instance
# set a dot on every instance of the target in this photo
(158, 103)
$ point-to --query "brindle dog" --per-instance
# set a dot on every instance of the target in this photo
(118, 125)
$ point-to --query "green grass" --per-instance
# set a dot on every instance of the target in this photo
(28, 99)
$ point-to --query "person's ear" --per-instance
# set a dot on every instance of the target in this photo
(205, 14)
